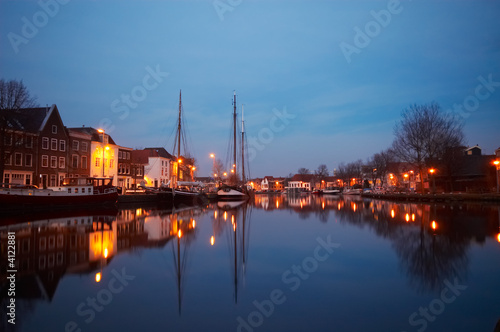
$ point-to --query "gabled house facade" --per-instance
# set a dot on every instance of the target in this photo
(159, 168)
(304, 181)
(33, 146)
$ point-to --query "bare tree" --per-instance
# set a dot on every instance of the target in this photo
(303, 170)
(13, 96)
(424, 134)
(218, 168)
(380, 163)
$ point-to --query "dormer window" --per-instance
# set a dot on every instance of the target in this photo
(54, 129)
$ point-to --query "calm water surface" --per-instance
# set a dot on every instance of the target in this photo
(276, 264)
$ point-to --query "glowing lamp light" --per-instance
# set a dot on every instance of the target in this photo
(432, 170)
(179, 234)
(434, 225)
(225, 215)
(98, 277)
(212, 240)
(407, 217)
(496, 162)
(179, 161)
(498, 237)
(413, 217)
(212, 155)
(393, 214)
(100, 131)
(105, 253)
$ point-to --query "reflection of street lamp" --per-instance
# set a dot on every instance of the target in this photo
(406, 179)
(497, 167)
(432, 170)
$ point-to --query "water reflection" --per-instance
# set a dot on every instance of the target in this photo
(431, 240)
(231, 220)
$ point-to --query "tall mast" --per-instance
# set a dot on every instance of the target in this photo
(179, 127)
(234, 125)
(242, 146)
(179, 138)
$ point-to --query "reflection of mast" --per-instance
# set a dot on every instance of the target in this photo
(234, 129)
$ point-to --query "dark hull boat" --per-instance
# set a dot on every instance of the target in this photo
(74, 192)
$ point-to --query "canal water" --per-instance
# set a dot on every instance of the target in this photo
(278, 263)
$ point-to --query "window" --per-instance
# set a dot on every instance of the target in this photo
(18, 159)
(61, 180)
(84, 162)
(74, 161)
(97, 162)
(54, 129)
(120, 170)
(45, 143)
(53, 144)
(120, 155)
(29, 141)
(28, 160)
(28, 179)
(76, 190)
(76, 145)
(19, 140)
(128, 155)
(7, 139)
(84, 146)
(53, 180)
(111, 161)
(53, 161)
(62, 145)
(128, 169)
(6, 178)
(45, 161)
(8, 158)
(62, 162)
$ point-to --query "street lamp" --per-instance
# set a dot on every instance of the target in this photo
(432, 171)
(213, 157)
(101, 131)
(497, 167)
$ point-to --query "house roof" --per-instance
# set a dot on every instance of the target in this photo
(159, 152)
(303, 177)
(96, 136)
(139, 156)
(26, 119)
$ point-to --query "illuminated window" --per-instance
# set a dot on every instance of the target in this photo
(53, 161)
(97, 162)
(84, 146)
(62, 145)
(62, 162)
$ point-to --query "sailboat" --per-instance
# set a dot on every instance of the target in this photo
(235, 193)
(181, 197)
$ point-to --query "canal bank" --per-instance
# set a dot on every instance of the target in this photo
(443, 197)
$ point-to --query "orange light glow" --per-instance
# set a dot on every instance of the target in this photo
(323, 205)
(105, 253)
(179, 234)
(338, 206)
(212, 155)
(496, 162)
(225, 215)
(413, 217)
(215, 214)
(407, 217)
(100, 131)
(405, 175)
(434, 225)
(179, 161)
(393, 214)
(232, 171)
(498, 237)
(194, 223)
(98, 277)
(212, 240)
(432, 170)
(277, 204)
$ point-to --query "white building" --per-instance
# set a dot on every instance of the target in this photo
(158, 171)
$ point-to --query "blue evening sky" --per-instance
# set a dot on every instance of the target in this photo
(337, 77)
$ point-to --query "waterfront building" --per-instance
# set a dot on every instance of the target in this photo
(304, 181)
(160, 167)
(79, 153)
(33, 147)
